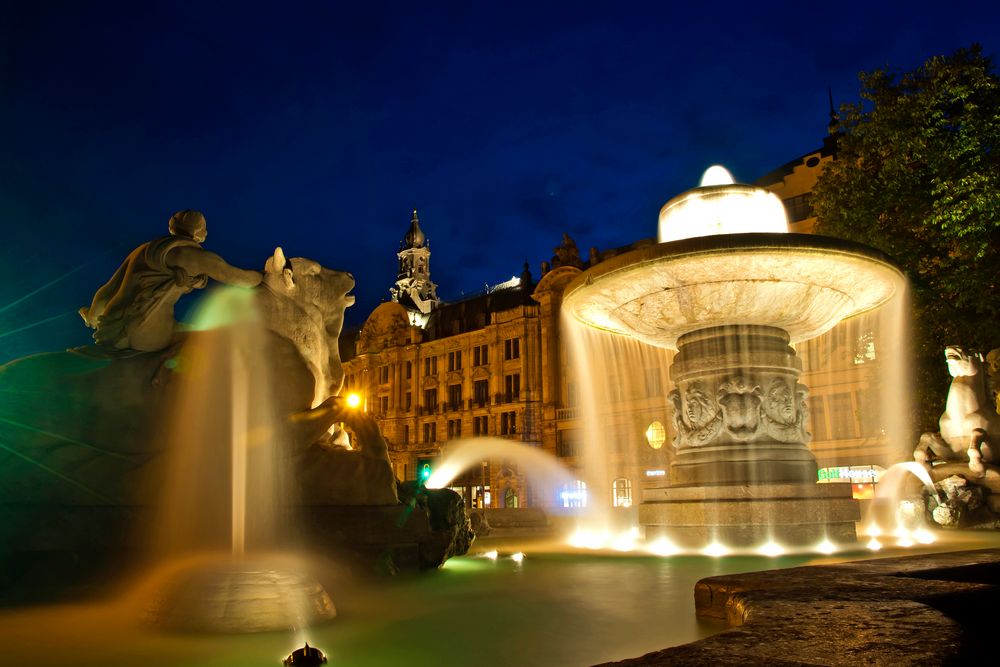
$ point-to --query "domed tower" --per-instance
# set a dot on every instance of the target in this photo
(414, 288)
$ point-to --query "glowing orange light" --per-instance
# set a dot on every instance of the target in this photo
(353, 400)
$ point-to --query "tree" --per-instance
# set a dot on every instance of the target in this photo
(917, 175)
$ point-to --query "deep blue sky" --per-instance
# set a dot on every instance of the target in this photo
(319, 126)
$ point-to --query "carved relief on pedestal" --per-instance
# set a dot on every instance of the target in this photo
(784, 415)
(696, 415)
(740, 410)
(740, 401)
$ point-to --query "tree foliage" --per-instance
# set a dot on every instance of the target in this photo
(917, 175)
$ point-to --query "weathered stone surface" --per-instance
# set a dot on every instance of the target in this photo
(915, 610)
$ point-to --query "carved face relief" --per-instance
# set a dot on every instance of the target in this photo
(740, 403)
(697, 407)
(778, 402)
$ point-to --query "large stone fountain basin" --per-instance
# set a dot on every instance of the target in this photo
(802, 283)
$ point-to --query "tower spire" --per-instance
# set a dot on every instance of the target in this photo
(413, 287)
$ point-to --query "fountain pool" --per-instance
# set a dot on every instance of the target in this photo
(551, 609)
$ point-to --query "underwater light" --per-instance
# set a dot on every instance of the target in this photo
(826, 547)
(517, 557)
(873, 530)
(905, 541)
(662, 547)
(492, 555)
(772, 549)
(307, 656)
(715, 549)
(924, 536)
(874, 544)
(586, 539)
(353, 400)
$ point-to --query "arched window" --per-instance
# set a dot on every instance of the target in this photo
(510, 497)
(656, 435)
(574, 494)
(621, 492)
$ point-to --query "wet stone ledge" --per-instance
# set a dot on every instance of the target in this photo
(935, 609)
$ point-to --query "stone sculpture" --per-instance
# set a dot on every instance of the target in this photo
(970, 419)
(741, 411)
(135, 308)
(88, 429)
(960, 458)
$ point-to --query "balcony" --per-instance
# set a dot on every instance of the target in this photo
(568, 413)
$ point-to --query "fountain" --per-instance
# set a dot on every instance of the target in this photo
(731, 291)
(236, 421)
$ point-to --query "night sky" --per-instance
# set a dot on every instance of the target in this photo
(318, 127)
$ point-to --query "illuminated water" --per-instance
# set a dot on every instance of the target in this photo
(547, 610)
(551, 609)
(543, 470)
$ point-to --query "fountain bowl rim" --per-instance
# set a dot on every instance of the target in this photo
(661, 253)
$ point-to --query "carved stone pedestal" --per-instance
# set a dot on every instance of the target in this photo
(739, 410)
(800, 515)
(743, 475)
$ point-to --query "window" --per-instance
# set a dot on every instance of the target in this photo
(480, 355)
(407, 400)
(430, 366)
(864, 348)
(482, 392)
(406, 435)
(568, 443)
(653, 385)
(574, 494)
(454, 428)
(481, 425)
(383, 375)
(409, 370)
(817, 418)
(799, 207)
(455, 397)
(508, 423)
(455, 360)
(842, 417)
(430, 399)
(512, 348)
(383, 405)
(512, 387)
(430, 433)
(621, 492)
(656, 435)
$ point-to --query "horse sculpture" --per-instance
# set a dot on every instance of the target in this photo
(970, 422)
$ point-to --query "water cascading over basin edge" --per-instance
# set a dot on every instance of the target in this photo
(731, 301)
